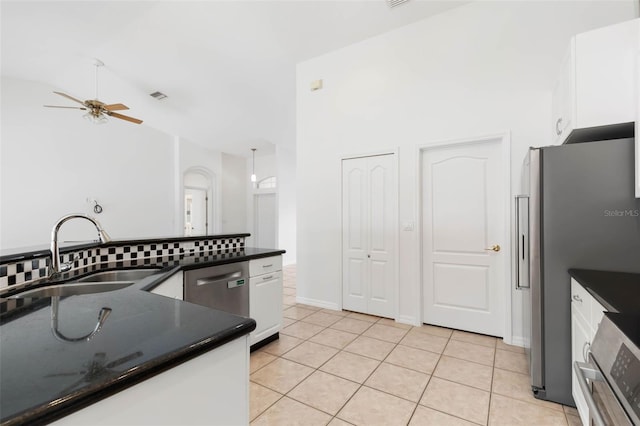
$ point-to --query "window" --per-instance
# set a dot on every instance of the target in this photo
(268, 182)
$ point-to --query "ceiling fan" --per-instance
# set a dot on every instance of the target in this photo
(97, 111)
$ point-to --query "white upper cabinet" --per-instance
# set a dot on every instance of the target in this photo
(597, 84)
(638, 117)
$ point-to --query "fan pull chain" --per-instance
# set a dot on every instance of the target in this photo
(97, 66)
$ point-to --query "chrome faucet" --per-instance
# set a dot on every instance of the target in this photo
(56, 267)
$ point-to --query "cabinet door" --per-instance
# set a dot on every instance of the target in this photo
(265, 265)
(580, 332)
(172, 287)
(581, 301)
(597, 312)
(605, 75)
(265, 303)
(638, 119)
(563, 98)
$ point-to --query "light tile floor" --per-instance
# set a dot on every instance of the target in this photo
(341, 368)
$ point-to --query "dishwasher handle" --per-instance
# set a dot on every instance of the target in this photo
(218, 278)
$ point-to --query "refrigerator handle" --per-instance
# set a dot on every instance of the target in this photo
(520, 243)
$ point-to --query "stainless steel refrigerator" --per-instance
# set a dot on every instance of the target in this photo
(578, 210)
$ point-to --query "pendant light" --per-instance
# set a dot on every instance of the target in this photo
(253, 169)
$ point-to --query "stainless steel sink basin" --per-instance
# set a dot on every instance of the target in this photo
(72, 289)
(118, 275)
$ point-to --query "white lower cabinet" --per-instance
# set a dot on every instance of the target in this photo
(265, 297)
(172, 287)
(586, 314)
(211, 389)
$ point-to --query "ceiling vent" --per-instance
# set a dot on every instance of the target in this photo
(394, 3)
(158, 95)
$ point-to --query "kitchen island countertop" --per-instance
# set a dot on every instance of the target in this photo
(43, 377)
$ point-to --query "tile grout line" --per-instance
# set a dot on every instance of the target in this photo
(380, 362)
(493, 370)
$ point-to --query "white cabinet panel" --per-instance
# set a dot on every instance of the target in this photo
(597, 312)
(580, 337)
(265, 296)
(211, 389)
(265, 265)
(172, 287)
(597, 82)
(563, 97)
(265, 302)
(637, 133)
(586, 314)
(581, 302)
(605, 73)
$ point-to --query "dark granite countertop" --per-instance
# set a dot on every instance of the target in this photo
(616, 291)
(43, 378)
(629, 324)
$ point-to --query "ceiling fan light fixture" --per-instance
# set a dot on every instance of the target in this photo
(95, 118)
(97, 111)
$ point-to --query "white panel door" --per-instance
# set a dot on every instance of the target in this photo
(369, 206)
(463, 218)
(355, 241)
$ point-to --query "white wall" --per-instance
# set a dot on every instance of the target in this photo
(484, 68)
(234, 194)
(53, 159)
(265, 166)
(282, 165)
(286, 159)
(193, 157)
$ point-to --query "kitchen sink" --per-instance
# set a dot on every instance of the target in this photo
(73, 289)
(118, 275)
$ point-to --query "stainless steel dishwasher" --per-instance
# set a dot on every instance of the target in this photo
(223, 287)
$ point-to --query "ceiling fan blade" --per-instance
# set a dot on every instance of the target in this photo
(69, 97)
(56, 106)
(115, 107)
(123, 117)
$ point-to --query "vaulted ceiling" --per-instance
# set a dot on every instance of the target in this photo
(228, 67)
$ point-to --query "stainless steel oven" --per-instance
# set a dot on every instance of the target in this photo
(610, 381)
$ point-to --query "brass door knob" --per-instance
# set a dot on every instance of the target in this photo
(494, 247)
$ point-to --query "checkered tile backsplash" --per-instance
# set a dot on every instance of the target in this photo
(21, 273)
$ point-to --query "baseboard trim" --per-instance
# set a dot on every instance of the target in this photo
(318, 303)
(515, 341)
(409, 320)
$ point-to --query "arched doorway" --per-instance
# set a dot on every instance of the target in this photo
(198, 206)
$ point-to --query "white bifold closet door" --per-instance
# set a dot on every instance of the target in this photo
(369, 234)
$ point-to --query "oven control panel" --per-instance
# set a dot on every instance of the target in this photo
(626, 373)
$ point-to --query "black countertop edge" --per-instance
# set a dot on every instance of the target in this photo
(616, 291)
(169, 271)
(164, 271)
(35, 252)
(48, 413)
